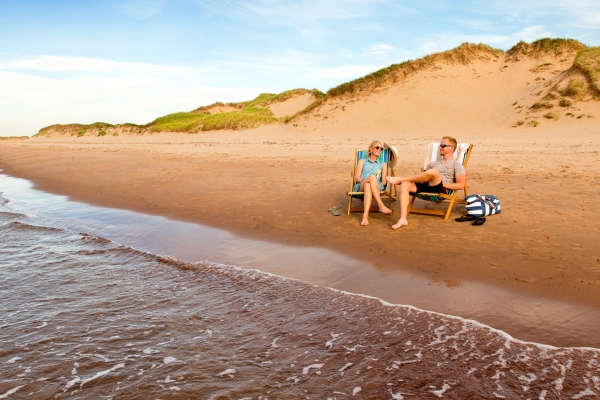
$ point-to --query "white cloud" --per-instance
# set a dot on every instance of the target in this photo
(141, 9)
(378, 50)
(95, 65)
(29, 103)
(284, 11)
(448, 40)
(583, 14)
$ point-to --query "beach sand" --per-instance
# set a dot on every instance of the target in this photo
(277, 181)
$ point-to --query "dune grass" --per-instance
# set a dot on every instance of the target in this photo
(541, 104)
(74, 128)
(587, 62)
(191, 122)
(574, 87)
(564, 103)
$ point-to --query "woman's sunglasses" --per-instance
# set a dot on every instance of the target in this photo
(378, 148)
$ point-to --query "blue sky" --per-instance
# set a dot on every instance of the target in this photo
(134, 60)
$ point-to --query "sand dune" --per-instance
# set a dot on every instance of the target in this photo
(292, 105)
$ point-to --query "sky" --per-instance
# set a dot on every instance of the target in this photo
(116, 61)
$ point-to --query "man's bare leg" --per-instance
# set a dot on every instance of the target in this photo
(405, 188)
(431, 175)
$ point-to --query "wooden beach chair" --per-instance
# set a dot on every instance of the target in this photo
(461, 154)
(388, 192)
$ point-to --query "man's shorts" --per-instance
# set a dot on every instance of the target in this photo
(424, 187)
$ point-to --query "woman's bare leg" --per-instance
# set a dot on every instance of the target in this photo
(368, 199)
(374, 184)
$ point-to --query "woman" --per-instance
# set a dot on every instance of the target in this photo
(371, 177)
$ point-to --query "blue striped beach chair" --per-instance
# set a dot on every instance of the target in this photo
(389, 191)
(461, 154)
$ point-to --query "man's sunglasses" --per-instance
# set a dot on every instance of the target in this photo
(443, 146)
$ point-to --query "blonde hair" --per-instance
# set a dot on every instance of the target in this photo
(373, 143)
(451, 140)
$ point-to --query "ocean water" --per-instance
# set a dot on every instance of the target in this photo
(87, 310)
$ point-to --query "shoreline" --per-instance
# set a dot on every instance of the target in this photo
(555, 323)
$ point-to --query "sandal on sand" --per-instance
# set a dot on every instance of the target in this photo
(335, 213)
(465, 218)
(332, 209)
(479, 221)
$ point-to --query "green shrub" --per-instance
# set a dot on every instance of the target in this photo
(81, 133)
(102, 133)
(552, 115)
(564, 103)
(520, 122)
(533, 123)
(115, 134)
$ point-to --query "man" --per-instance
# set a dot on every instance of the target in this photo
(439, 176)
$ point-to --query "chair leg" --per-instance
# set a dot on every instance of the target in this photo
(349, 204)
(449, 208)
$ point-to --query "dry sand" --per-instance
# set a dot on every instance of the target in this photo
(277, 181)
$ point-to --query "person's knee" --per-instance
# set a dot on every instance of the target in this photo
(433, 173)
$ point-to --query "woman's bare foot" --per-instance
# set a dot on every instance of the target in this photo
(401, 222)
(364, 222)
(384, 209)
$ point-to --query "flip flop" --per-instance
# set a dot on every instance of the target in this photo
(335, 213)
(479, 221)
(465, 218)
(331, 209)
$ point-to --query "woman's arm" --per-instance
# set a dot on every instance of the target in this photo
(384, 173)
(358, 171)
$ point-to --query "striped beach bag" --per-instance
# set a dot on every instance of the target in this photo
(479, 205)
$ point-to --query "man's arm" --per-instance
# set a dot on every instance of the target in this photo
(461, 180)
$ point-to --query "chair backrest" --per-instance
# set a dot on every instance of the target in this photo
(461, 153)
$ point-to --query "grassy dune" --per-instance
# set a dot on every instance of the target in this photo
(253, 113)
(247, 114)
(192, 122)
